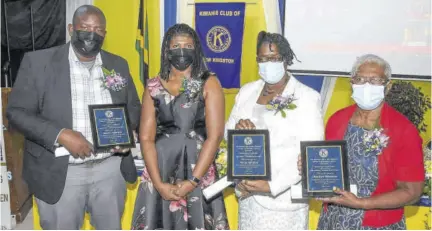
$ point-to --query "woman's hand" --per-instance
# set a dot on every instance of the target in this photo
(299, 165)
(245, 125)
(167, 192)
(345, 198)
(255, 186)
(184, 188)
(240, 191)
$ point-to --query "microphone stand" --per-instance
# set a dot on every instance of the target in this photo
(32, 27)
(5, 70)
(6, 67)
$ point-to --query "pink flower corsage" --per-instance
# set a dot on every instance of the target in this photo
(112, 80)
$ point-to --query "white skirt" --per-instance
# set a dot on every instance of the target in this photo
(253, 216)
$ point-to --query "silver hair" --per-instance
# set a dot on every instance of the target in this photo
(371, 58)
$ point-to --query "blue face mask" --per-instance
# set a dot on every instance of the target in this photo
(271, 72)
(368, 96)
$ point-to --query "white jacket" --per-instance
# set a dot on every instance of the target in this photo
(305, 123)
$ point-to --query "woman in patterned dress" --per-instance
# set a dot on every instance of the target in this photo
(385, 159)
(182, 125)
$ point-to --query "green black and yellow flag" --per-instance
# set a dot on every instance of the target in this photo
(142, 43)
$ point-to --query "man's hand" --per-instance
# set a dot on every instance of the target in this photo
(135, 135)
(117, 149)
(255, 186)
(75, 143)
(245, 125)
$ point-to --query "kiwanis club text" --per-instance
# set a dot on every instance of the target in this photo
(220, 13)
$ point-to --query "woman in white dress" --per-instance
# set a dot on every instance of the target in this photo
(296, 117)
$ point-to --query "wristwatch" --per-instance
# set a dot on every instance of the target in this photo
(194, 179)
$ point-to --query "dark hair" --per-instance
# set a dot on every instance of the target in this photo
(199, 64)
(282, 44)
(87, 10)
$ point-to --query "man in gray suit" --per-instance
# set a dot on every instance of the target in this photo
(49, 105)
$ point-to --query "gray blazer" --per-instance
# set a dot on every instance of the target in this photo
(40, 106)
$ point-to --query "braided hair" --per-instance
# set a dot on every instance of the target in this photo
(281, 43)
(199, 64)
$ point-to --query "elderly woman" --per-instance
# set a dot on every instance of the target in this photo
(384, 155)
(267, 204)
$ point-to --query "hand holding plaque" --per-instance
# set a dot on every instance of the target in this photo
(245, 124)
(74, 143)
(324, 168)
(111, 127)
(248, 155)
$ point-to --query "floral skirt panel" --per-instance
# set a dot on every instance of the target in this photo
(177, 158)
(363, 171)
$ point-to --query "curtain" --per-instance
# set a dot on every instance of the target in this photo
(48, 28)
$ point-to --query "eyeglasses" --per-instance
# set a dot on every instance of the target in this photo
(269, 59)
(373, 80)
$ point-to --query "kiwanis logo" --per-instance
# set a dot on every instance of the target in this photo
(248, 140)
(218, 39)
(323, 153)
(109, 114)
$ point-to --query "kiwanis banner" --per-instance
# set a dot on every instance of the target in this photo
(220, 28)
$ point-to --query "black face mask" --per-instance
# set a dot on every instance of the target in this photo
(87, 44)
(181, 58)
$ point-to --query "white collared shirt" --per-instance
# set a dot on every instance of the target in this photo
(86, 89)
(304, 123)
